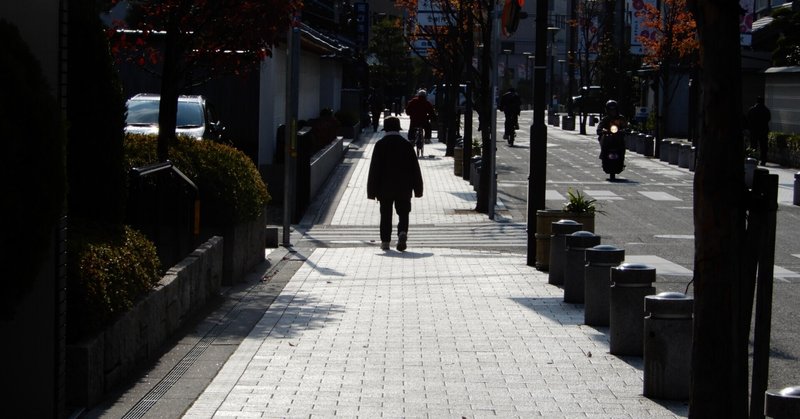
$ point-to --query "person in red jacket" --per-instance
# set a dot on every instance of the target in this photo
(421, 111)
(394, 174)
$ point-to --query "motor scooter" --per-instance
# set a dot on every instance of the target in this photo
(612, 150)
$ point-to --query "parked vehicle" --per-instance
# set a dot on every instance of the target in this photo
(433, 95)
(196, 117)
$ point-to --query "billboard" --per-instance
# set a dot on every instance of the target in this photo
(636, 11)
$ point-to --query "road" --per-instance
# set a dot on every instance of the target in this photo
(648, 212)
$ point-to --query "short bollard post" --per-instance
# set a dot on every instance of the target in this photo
(597, 286)
(782, 404)
(630, 283)
(750, 165)
(668, 346)
(796, 198)
(558, 249)
(575, 264)
(663, 155)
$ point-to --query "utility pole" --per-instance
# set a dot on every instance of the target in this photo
(538, 168)
(290, 131)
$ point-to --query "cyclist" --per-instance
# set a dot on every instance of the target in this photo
(421, 111)
(510, 105)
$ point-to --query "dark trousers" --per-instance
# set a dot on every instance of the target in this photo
(760, 141)
(403, 208)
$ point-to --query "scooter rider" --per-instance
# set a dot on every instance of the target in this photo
(611, 138)
(612, 115)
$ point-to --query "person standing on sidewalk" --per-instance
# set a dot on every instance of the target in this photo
(393, 175)
(758, 117)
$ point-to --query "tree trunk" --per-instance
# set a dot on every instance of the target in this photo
(720, 351)
(170, 78)
(484, 116)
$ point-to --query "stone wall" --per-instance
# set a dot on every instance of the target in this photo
(99, 364)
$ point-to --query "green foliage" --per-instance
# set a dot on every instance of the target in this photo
(784, 148)
(787, 47)
(96, 115)
(477, 145)
(578, 202)
(109, 269)
(33, 169)
(231, 188)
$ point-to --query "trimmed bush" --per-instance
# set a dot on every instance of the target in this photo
(109, 269)
(784, 149)
(230, 186)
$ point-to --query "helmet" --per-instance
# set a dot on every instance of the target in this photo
(611, 104)
(422, 93)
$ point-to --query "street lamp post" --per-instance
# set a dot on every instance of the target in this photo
(506, 81)
(553, 31)
(560, 92)
(528, 72)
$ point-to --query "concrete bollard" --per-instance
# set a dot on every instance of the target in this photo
(796, 197)
(684, 155)
(630, 283)
(558, 249)
(640, 144)
(782, 404)
(664, 152)
(597, 284)
(750, 165)
(674, 151)
(649, 145)
(575, 264)
(668, 346)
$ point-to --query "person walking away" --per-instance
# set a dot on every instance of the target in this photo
(421, 112)
(758, 117)
(394, 174)
(375, 108)
(510, 105)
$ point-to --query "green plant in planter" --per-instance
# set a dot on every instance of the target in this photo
(578, 202)
(476, 146)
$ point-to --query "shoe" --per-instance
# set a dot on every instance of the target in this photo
(384, 245)
(401, 241)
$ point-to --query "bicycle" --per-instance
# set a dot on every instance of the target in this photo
(418, 140)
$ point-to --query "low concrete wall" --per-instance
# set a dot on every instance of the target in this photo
(99, 364)
(323, 163)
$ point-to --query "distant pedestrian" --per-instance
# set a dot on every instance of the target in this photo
(375, 108)
(758, 117)
(393, 175)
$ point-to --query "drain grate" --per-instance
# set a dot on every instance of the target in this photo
(156, 393)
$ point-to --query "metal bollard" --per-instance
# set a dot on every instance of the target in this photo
(693, 159)
(575, 264)
(796, 198)
(630, 283)
(597, 284)
(558, 249)
(782, 404)
(668, 346)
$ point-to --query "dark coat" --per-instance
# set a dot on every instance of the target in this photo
(394, 170)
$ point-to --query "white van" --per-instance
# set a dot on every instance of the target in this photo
(462, 96)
